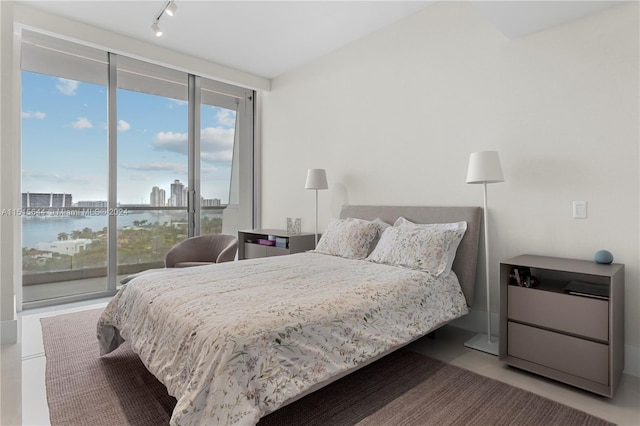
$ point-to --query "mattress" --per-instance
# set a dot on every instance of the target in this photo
(235, 341)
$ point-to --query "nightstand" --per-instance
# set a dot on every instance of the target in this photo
(575, 339)
(249, 248)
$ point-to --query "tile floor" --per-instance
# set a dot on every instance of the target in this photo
(23, 367)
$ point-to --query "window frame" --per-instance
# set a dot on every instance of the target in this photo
(197, 85)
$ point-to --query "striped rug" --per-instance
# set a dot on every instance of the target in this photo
(404, 388)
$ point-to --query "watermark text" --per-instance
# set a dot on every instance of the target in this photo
(62, 212)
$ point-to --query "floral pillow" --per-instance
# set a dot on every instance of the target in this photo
(423, 247)
(350, 238)
(454, 226)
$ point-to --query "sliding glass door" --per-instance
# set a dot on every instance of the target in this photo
(64, 147)
(223, 165)
(122, 165)
(153, 163)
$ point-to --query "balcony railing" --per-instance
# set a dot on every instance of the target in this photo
(144, 236)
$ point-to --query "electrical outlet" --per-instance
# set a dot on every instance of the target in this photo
(579, 209)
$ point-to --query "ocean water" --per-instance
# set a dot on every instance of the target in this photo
(36, 230)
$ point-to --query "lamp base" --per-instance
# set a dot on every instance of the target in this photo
(480, 342)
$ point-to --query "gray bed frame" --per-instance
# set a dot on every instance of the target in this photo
(467, 255)
(464, 265)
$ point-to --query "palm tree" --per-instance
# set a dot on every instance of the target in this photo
(87, 232)
(63, 236)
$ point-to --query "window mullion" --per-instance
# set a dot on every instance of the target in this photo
(194, 155)
(112, 170)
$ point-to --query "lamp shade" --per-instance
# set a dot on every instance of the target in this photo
(484, 167)
(316, 179)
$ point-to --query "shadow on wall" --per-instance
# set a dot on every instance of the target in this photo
(339, 197)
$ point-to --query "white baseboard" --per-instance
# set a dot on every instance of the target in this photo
(476, 321)
(8, 332)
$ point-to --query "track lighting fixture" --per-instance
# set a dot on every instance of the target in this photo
(156, 28)
(170, 9)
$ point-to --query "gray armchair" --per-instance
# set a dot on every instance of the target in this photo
(202, 250)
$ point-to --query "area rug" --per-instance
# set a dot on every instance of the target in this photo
(404, 388)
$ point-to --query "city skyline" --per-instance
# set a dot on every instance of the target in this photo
(64, 141)
(157, 198)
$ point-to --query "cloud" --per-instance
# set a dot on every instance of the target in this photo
(37, 114)
(158, 166)
(216, 144)
(67, 87)
(81, 123)
(123, 126)
(28, 175)
(172, 142)
(139, 177)
(177, 102)
(208, 170)
(226, 117)
(217, 156)
(217, 138)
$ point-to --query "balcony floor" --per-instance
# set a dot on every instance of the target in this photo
(54, 290)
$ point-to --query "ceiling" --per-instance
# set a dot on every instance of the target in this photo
(268, 38)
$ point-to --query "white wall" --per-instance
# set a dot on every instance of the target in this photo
(394, 116)
(8, 319)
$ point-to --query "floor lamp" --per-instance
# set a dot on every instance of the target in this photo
(316, 179)
(484, 168)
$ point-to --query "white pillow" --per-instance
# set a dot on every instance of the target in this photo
(423, 247)
(350, 238)
(453, 247)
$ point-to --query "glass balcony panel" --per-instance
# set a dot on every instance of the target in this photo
(211, 220)
(64, 252)
(145, 235)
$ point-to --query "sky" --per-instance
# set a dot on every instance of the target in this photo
(64, 142)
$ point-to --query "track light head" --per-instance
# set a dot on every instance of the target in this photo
(171, 8)
(156, 28)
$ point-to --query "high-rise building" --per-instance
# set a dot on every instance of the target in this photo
(177, 194)
(185, 196)
(93, 204)
(210, 202)
(33, 200)
(158, 197)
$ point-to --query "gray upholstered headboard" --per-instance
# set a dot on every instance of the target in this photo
(467, 255)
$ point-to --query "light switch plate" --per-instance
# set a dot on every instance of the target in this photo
(579, 209)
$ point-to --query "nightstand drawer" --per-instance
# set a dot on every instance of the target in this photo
(253, 251)
(276, 251)
(579, 357)
(582, 316)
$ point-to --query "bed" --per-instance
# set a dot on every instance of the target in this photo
(236, 341)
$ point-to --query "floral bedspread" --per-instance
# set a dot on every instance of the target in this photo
(234, 341)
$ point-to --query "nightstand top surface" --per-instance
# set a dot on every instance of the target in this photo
(276, 232)
(564, 264)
